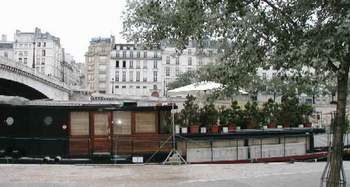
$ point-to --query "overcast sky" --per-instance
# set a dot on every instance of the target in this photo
(74, 21)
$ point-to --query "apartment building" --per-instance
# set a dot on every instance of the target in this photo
(136, 71)
(97, 61)
(39, 50)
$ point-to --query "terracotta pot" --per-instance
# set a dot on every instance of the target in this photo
(307, 125)
(286, 126)
(271, 125)
(194, 129)
(225, 130)
(231, 128)
(215, 129)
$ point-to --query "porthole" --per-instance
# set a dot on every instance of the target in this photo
(10, 121)
(48, 120)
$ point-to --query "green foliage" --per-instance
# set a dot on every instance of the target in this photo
(252, 115)
(208, 115)
(189, 113)
(270, 112)
(183, 79)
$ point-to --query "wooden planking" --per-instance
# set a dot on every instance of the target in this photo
(138, 144)
(102, 144)
(145, 122)
(79, 123)
(79, 146)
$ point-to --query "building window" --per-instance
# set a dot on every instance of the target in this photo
(155, 55)
(200, 61)
(20, 59)
(43, 61)
(131, 64)
(39, 44)
(144, 87)
(189, 52)
(138, 64)
(167, 71)
(25, 60)
(210, 53)
(145, 64)
(155, 65)
(137, 76)
(44, 44)
(123, 86)
(124, 76)
(25, 53)
(20, 53)
(37, 61)
(177, 71)
(124, 54)
(117, 64)
(155, 78)
(155, 87)
(145, 76)
(117, 76)
(168, 60)
(43, 52)
(117, 54)
(177, 61)
(131, 76)
(124, 64)
(116, 86)
(6, 54)
(131, 54)
(189, 61)
(137, 87)
(138, 55)
(145, 54)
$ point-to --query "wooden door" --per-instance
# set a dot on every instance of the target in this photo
(101, 133)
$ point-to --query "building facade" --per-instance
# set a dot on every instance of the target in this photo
(97, 61)
(190, 59)
(135, 71)
(39, 50)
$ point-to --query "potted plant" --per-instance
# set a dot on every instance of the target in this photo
(209, 117)
(252, 115)
(190, 115)
(269, 112)
(305, 112)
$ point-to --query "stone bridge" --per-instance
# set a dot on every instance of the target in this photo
(17, 79)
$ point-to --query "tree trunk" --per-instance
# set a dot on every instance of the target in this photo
(336, 153)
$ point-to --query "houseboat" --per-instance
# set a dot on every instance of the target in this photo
(90, 130)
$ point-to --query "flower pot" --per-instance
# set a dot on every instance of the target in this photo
(215, 129)
(177, 129)
(225, 130)
(238, 128)
(184, 130)
(301, 126)
(203, 130)
(286, 126)
(231, 128)
(265, 127)
(271, 125)
(194, 129)
(307, 125)
(279, 126)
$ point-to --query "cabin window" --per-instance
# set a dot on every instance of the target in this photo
(10, 121)
(101, 124)
(48, 120)
(122, 122)
(79, 123)
(145, 122)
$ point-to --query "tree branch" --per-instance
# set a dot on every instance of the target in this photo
(279, 10)
(330, 64)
